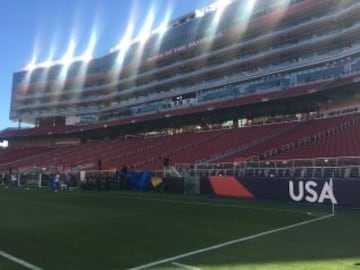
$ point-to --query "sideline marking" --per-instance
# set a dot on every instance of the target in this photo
(185, 266)
(19, 261)
(232, 242)
(215, 204)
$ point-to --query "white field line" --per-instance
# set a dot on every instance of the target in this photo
(185, 266)
(19, 261)
(243, 239)
(212, 204)
(117, 195)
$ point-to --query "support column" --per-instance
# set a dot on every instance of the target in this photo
(235, 123)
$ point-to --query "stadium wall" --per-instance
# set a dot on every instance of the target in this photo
(343, 192)
(174, 184)
(43, 142)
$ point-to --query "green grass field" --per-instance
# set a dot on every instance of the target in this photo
(123, 230)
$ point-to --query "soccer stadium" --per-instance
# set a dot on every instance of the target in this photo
(226, 138)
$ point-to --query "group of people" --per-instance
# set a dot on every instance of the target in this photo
(9, 180)
(59, 183)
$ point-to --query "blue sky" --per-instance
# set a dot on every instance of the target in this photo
(44, 28)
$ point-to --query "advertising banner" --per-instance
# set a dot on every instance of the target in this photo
(327, 191)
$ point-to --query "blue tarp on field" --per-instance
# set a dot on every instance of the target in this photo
(140, 180)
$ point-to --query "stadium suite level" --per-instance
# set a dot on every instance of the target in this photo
(223, 62)
(234, 54)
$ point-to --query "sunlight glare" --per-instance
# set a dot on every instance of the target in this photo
(67, 59)
(161, 30)
(145, 32)
(88, 54)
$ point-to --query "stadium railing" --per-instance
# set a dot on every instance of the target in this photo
(322, 167)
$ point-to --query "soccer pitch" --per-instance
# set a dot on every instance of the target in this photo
(129, 230)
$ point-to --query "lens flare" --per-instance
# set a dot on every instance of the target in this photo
(162, 29)
(88, 54)
(145, 32)
(32, 65)
(67, 59)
